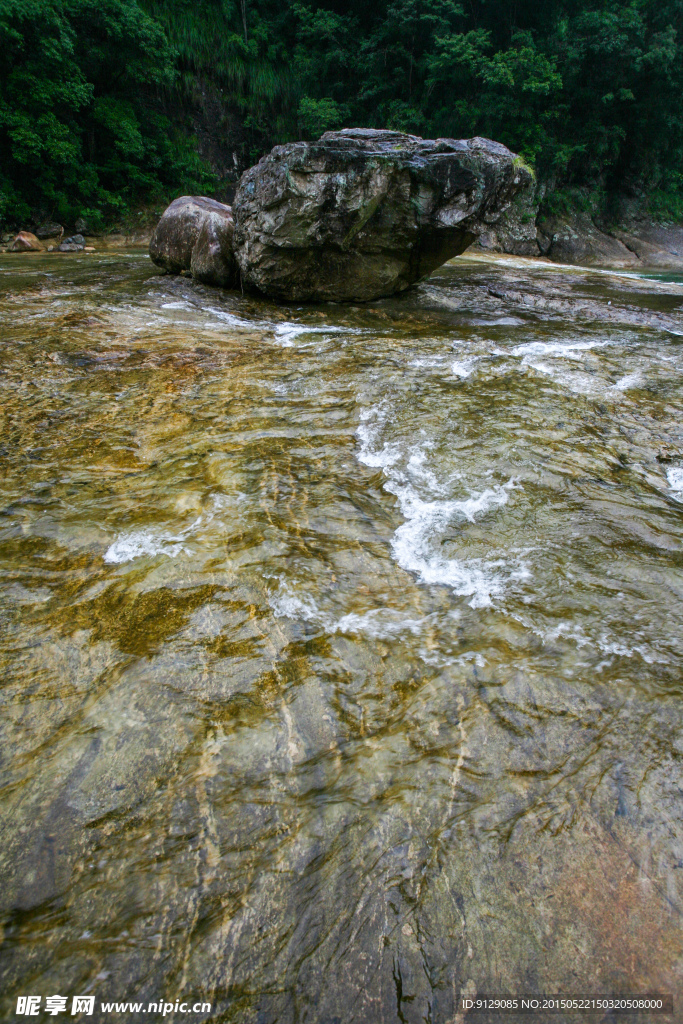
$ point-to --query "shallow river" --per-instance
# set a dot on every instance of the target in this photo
(341, 646)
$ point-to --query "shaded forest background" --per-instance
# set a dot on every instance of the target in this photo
(109, 104)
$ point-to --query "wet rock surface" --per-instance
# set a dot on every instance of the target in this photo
(363, 213)
(212, 260)
(577, 240)
(580, 238)
(515, 232)
(341, 646)
(195, 235)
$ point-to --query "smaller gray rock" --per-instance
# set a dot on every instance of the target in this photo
(49, 229)
(74, 240)
(212, 260)
(196, 223)
(70, 246)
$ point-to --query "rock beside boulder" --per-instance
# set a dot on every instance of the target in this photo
(75, 243)
(650, 254)
(364, 213)
(212, 261)
(515, 231)
(49, 229)
(195, 234)
(576, 239)
(26, 241)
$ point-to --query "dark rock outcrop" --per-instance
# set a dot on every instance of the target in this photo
(575, 239)
(654, 246)
(49, 229)
(515, 231)
(364, 213)
(75, 243)
(195, 235)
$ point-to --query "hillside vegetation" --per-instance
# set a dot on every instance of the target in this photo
(94, 93)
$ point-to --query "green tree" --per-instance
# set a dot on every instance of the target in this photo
(586, 90)
(78, 130)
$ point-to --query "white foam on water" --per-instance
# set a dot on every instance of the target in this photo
(151, 542)
(556, 349)
(417, 544)
(288, 605)
(429, 362)
(533, 353)
(142, 542)
(565, 630)
(614, 648)
(607, 644)
(675, 478)
(631, 380)
(579, 383)
(463, 368)
(368, 429)
(378, 623)
(285, 334)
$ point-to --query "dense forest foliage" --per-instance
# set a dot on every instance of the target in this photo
(588, 91)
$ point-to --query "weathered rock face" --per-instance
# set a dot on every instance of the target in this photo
(576, 239)
(364, 213)
(212, 260)
(515, 231)
(26, 241)
(49, 230)
(75, 243)
(195, 234)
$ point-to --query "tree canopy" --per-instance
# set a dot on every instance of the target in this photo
(586, 90)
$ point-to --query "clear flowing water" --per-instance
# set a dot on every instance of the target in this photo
(341, 647)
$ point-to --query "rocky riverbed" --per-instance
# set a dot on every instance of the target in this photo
(341, 645)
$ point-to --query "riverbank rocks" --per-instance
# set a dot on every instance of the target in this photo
(75, 243)
(575, 239)
(49, 229)
(26, 241)
(195, 235)
(363, 213)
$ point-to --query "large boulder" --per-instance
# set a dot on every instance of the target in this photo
(363, 213)
(195, 235)
(26, 241)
